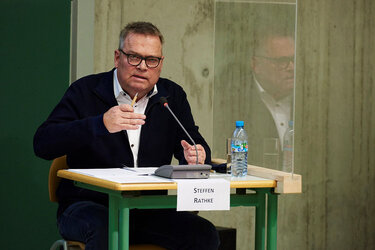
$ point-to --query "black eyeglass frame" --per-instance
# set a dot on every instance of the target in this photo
(279, 61)
(141, 59)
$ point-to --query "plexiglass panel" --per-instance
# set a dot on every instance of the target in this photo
(234, 59)
(254, 77)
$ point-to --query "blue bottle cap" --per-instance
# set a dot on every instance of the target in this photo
(290, 123)
(239, 123)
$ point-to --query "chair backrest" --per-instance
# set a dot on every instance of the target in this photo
(53, 179)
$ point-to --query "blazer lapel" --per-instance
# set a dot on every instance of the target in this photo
(104, 90)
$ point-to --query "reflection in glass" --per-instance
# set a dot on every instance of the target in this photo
(271, 152)
(254, 73)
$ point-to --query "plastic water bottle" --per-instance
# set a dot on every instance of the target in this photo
(288, 148)
(239, 150)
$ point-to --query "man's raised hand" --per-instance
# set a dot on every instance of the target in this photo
(122, 117)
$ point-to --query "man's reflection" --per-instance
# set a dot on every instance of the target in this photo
(273, 72)
(272, 95)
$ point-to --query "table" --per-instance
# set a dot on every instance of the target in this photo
(125, 196)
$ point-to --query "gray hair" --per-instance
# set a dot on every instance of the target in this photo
(144, 28)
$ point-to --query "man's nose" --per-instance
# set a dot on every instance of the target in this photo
(142, 65)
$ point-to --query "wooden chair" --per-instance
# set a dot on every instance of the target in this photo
(53, 183)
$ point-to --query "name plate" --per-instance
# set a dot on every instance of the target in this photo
(203, 194)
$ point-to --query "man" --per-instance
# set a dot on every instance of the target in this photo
(271, 90)
(95, 126)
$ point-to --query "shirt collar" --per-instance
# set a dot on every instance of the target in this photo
(152, 92)
(267, 97)
(263, 94)
(116, 85)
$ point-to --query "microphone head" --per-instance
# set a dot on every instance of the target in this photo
(163, 101)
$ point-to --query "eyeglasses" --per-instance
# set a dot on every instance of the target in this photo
(281, 62)
(135, 60)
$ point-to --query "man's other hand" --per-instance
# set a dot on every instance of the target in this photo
(191, 155)
(122, 117)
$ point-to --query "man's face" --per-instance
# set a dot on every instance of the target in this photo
(273, 66)
(138, 79)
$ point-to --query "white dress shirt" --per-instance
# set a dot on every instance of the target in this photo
(139, 107)
(280, 110)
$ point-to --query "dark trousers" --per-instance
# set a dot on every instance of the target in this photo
(87, 222)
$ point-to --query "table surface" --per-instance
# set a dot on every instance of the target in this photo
(234, 183)
(118, 241)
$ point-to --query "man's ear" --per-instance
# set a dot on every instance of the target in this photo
(116, 57)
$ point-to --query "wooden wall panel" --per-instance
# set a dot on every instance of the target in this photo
(107, 29)
(334, 116)
(311, 114)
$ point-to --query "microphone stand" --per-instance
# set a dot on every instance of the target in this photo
(197, 171)
(195, 146)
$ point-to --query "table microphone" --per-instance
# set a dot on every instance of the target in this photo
(196, 171)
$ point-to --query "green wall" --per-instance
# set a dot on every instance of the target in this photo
(34, 52)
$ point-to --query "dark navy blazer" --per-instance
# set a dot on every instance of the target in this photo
(75, 128)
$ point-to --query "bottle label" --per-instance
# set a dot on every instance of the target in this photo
(239, 148)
